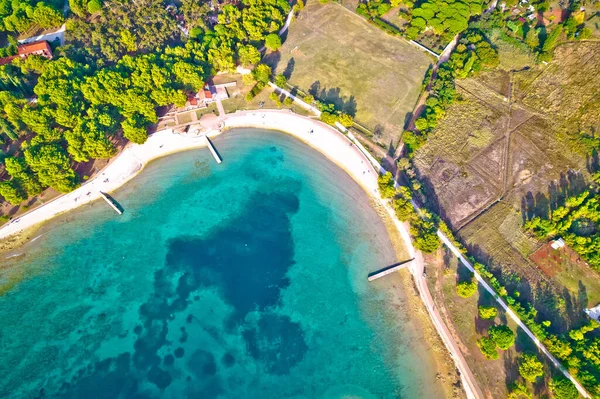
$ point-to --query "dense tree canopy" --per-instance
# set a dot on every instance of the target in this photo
(121, 64)
(21, 15)
(562, 388)
(473, 54)
(446, 18)
(566, 221)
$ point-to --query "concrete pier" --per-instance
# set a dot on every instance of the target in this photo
(109, 202)
(213, 150)
(388, 269)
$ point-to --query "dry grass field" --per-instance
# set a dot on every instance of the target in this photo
(339, 57)
(504, 153)
(461, 314)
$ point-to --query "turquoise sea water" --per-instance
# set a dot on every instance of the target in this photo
(240, 280)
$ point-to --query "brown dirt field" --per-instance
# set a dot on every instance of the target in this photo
(549, 103)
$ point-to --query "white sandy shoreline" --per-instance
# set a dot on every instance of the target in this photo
(331, 143)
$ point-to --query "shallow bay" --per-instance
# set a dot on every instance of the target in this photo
(240, 280)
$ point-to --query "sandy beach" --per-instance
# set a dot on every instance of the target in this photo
(134, 157)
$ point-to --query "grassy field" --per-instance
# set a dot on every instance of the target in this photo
(504, 153)
(339, 57)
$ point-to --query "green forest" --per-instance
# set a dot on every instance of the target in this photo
(21, 15)
(119, 65)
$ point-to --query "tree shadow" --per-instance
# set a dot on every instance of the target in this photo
(391, 148)
(463, 274)
(289, 68)
(523, 342)
(561, 308)
(593, 163)
(315, 88)
(350, 106)
(582, 297)
(511, 368)
(430, 198)
(272, 59)
(484, 299)
(378, 131)
(569, 184)
(334, 96)
(407, 119)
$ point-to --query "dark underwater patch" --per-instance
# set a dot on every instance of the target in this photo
(248, 258)
(277, 342)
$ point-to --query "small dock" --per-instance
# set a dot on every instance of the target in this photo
(111, 203)
(213, 150)
(388, 269)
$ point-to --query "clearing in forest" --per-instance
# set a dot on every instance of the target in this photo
(339, 57)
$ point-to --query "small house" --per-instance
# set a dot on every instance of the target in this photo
(558, 243)
(41, 48)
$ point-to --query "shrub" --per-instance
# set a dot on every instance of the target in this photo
(519, 391)
(466, 289)
(274, 96)
(280, 81)
(488, 348)
(328, 118)
(488, 312)
(94, 6)
(288, 101)
(345, 119)
(273, 42)
(530, 367)
(403, 163)
(386, 185)
(502, 335)
(309, 99)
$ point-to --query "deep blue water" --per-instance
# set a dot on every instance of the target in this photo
(240, 280)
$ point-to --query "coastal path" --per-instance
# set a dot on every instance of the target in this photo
(417, 267)
(512, 314)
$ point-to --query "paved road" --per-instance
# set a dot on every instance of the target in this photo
(58, 34)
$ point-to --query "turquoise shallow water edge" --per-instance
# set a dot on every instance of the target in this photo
(240, 280)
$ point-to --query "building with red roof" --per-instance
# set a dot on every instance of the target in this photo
(25, 50)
